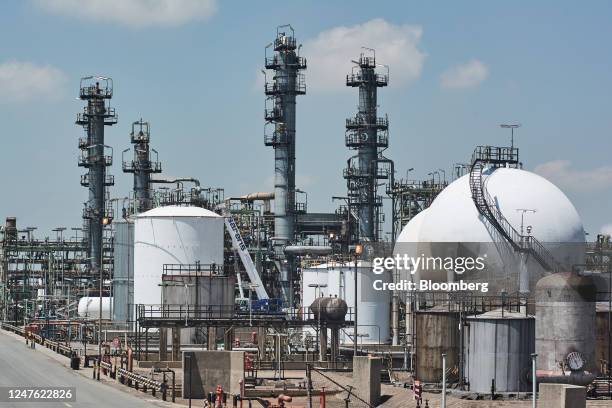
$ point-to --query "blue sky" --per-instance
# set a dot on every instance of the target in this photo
(458, 70)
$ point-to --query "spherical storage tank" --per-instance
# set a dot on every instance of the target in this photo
(452, 226)
(173, 235)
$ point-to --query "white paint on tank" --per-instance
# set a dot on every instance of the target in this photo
(373, 306)
(89, 307)
(453, 217)
(173, 235)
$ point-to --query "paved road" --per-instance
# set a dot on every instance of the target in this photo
(21, 366)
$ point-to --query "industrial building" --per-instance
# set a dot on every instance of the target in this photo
(166, 275)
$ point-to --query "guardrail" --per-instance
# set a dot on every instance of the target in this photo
(121, 375)
(140, 382)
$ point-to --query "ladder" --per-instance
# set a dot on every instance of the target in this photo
(497, 157)
(245, 257)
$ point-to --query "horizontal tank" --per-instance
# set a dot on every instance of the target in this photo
(173, 235)
(330, 309)
(89, 307)
(565, 323)
(498, 347)
(437, 332)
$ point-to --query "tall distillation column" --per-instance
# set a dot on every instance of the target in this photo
(287, 82)
(142, 166)
(369, 135)
(96, 157)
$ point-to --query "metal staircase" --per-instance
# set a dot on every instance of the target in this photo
(497, 157)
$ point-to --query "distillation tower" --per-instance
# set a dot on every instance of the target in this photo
(368, 134)
(142, 166)
(96, 157)
(287, 82)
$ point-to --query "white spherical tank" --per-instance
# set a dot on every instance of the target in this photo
(173, 235)
(529, 202)
(89, 307)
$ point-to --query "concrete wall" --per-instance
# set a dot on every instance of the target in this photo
(562, 396)
(366, 380)
(211, 368)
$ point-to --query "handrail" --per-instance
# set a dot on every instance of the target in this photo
(487, 208)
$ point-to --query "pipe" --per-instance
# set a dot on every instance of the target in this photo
(581, 378)
(176, 180)
(264, 196)
(308, 250)
(443, 381)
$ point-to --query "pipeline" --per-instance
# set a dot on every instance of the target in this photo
(308, 250)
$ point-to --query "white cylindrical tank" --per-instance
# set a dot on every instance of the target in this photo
(89, 307)
(525, 199)
(314, 285)
(173, 235)
(374, 306)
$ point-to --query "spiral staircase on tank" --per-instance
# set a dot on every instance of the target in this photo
(496, 157)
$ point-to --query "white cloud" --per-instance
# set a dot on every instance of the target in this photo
(606, 229)
(329, 54)
(465, 75)
(23, 81)
(133, 13)
(563, 175)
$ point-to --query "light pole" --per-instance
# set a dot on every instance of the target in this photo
(523, 211)
(318, 286)
(443, 173)
(358, 251)
(511, 127)
(534, 389)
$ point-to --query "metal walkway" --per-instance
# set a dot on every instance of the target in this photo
(496, 157)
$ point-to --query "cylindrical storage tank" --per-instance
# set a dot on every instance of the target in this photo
(10, 229)
(602, 335)
(437, 332)
(374, 306)
(498, 347)
(123, 271)
(173, 235)
(314, 285)
(89, 307)
(565, 323)
(203, 293)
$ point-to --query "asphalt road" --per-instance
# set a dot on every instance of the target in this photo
(21, 366)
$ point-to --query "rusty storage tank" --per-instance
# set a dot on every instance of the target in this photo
(437, 332)
(331, 309)
(498, 347)
(565, 328)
